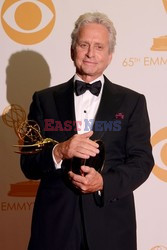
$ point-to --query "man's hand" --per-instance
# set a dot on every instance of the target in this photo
(78, 145)
(89, 181)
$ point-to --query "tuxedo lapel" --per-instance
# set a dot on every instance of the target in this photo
(111, 100)
(109, 105)
(64, 100)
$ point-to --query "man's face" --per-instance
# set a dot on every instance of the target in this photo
(91, 55)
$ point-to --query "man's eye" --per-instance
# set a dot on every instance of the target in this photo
(99, 47)
(83, 45)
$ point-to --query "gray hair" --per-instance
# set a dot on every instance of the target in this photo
(98, 18)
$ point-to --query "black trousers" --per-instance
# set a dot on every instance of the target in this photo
(77, 240)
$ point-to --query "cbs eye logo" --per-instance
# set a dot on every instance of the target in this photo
(28, 22)
(159, 143)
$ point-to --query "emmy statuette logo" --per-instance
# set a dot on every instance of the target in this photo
(14, 116)
(160, 43)
(28, 131)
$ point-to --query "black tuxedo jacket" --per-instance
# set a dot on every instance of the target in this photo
(109, 221)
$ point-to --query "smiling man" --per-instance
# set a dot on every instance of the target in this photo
(91, 209)
(91, 51)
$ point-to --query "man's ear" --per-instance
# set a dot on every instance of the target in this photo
(110, 58)
(72, 53)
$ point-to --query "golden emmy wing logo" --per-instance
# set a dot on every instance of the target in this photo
(160, 43)
(158, 137)
(28, 22)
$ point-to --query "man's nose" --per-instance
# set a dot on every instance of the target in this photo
(90, 51)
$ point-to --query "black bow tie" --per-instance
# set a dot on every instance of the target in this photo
(81, 87)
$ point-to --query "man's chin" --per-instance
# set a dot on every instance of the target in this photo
(89, 72)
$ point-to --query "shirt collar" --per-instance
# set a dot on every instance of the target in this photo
(100, 78)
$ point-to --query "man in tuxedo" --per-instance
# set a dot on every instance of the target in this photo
(89, 209)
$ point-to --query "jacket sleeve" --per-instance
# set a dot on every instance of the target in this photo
(34, 166)
(123, 178)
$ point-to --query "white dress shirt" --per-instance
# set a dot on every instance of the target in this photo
(86, 106)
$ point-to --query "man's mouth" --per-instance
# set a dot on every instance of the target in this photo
(88, 62)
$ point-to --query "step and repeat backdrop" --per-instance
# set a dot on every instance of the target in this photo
(35, 54)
